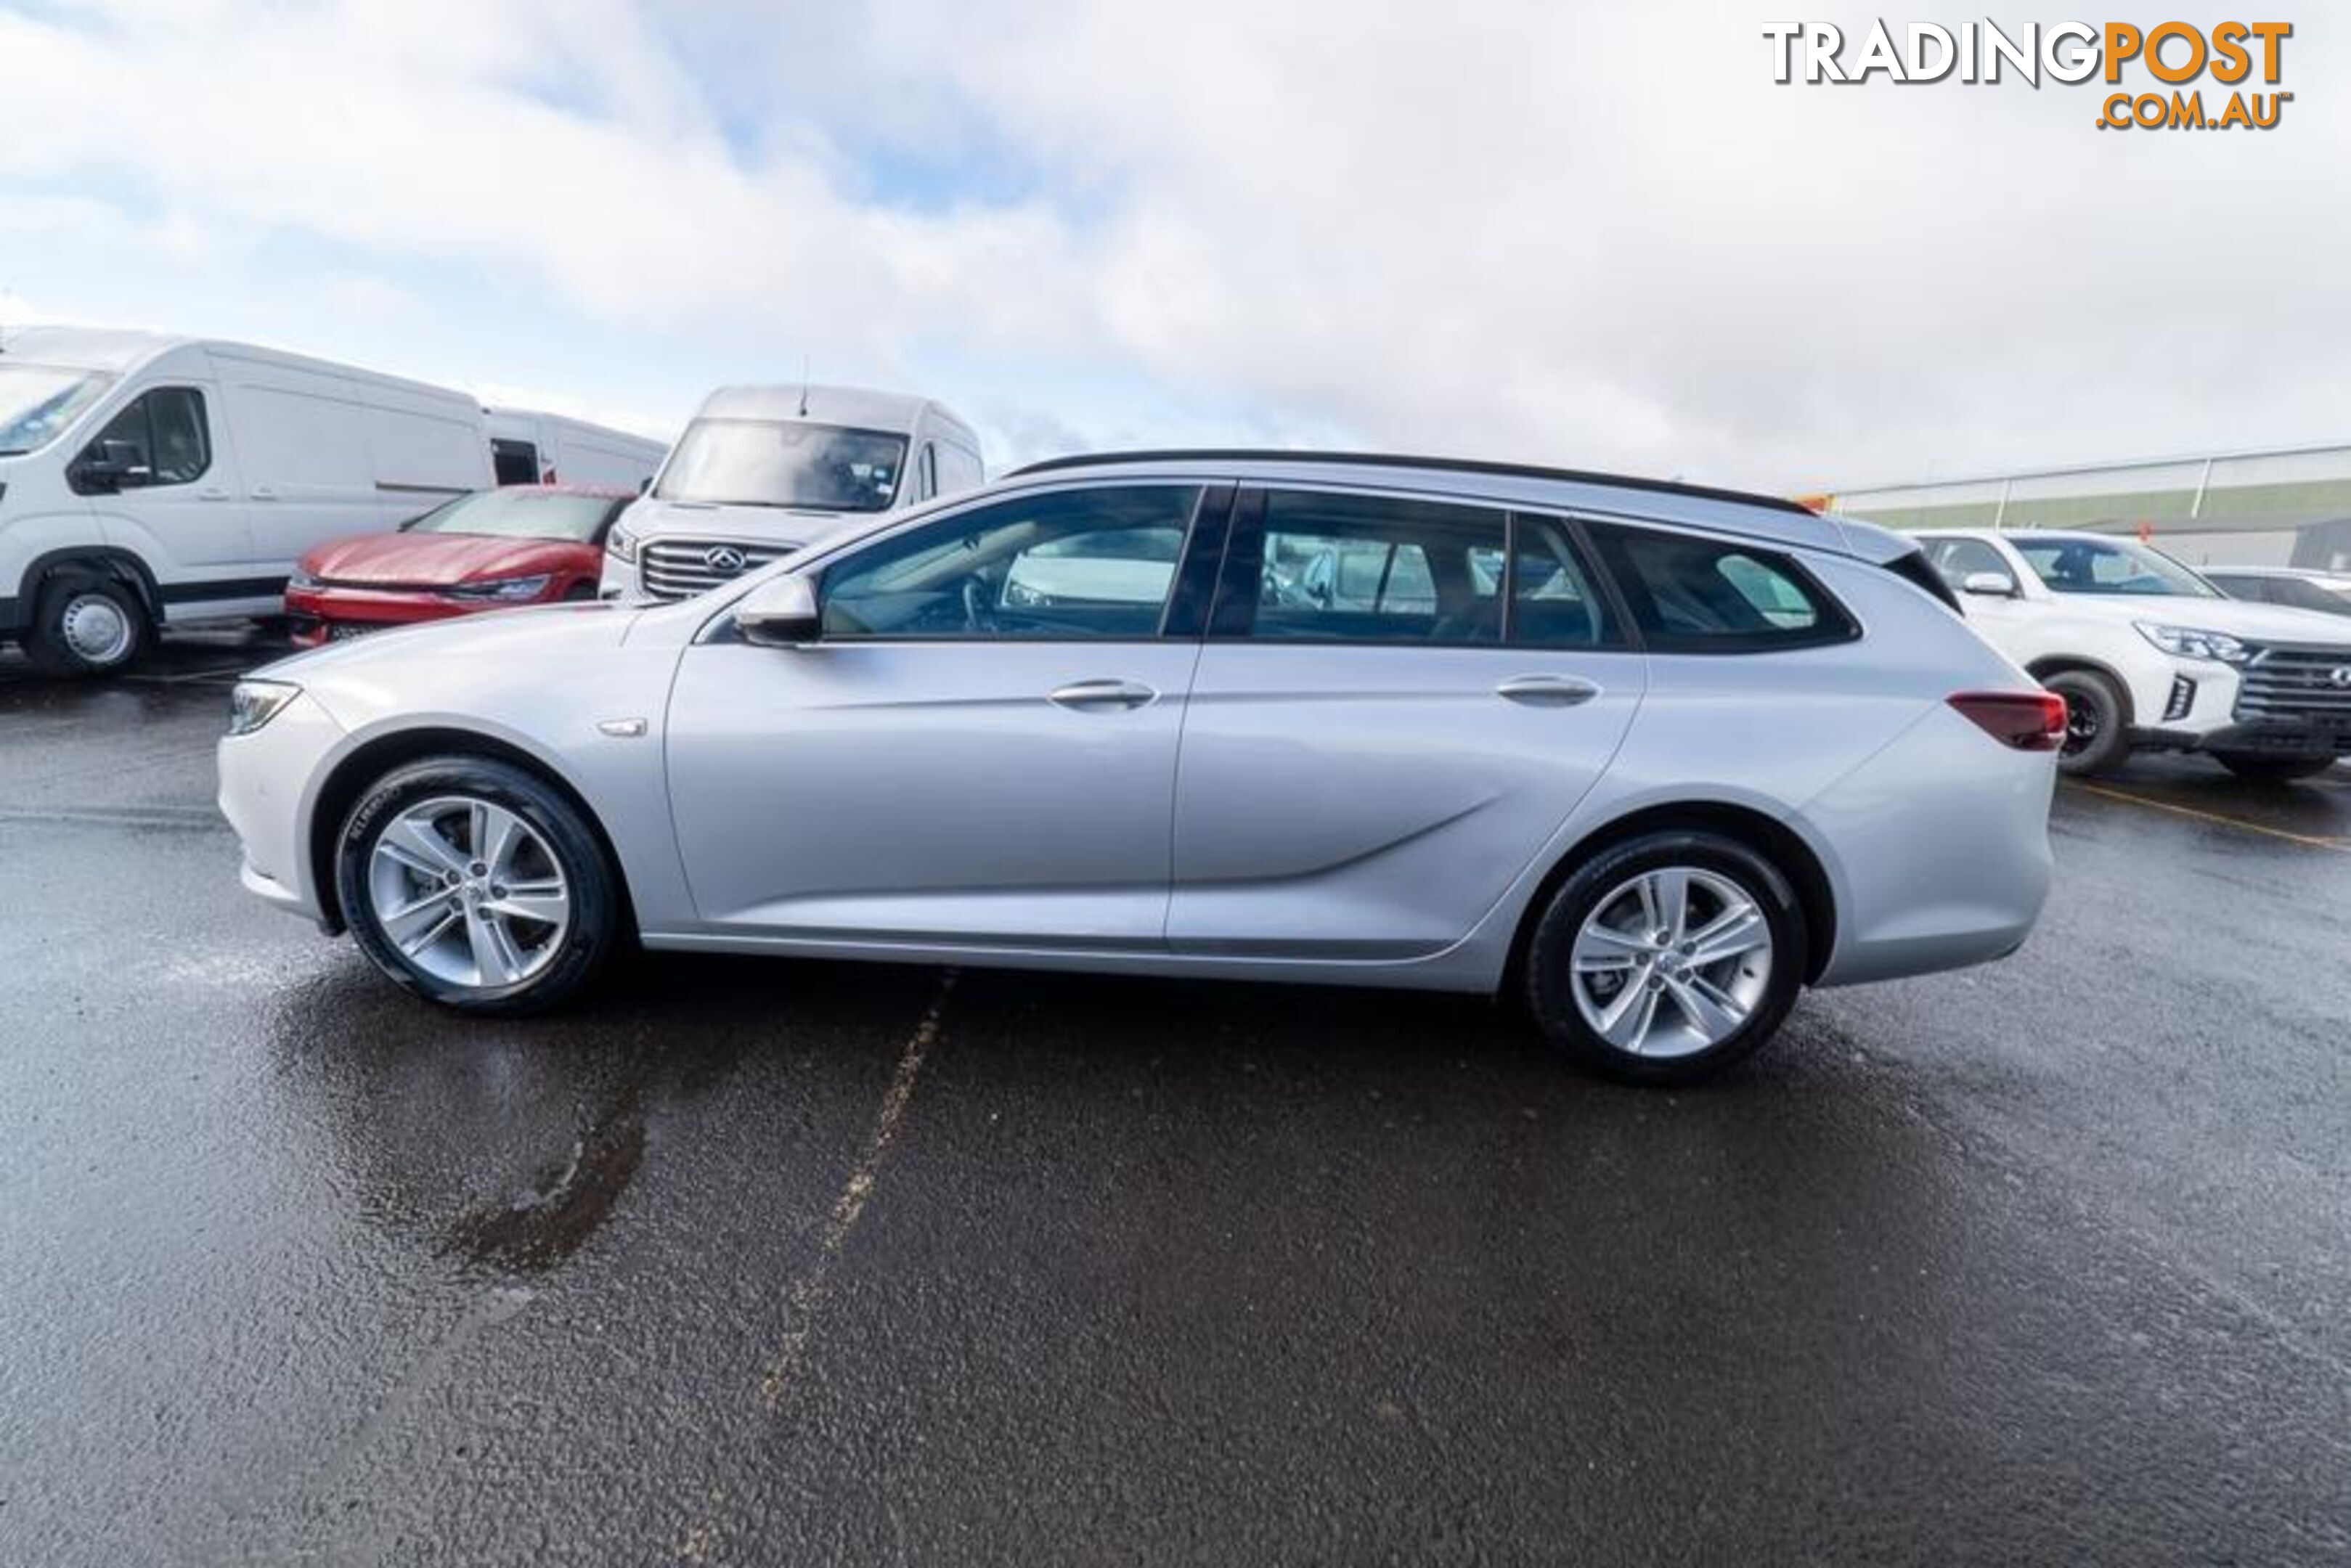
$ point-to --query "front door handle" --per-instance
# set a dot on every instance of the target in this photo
(1084, 695)
(1548, 691)
(212, 492)
(264, 493)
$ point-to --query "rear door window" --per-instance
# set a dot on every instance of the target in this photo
(1689, 595)
(1553, 602)
(1377, 568)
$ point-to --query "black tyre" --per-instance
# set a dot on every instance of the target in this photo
(1668, 958)
(87, 624)
(473, 883)
(2271, 770)
(2097, 722)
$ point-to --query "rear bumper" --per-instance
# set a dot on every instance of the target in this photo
(1942, 844)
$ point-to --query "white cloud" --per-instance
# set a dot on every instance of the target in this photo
(1595, 235)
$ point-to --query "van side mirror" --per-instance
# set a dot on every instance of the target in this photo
(1989, 584)
(112, 465)
(645, 485)
(780, 613)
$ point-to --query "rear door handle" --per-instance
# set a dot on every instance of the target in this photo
(1548, 691)
(264, 493)
(1084, 695)
(212, 492)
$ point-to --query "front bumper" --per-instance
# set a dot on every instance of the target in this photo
(2264, 738)
(621, 580)
(264, 782)
(316, 610)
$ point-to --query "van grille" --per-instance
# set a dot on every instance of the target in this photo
(2297, 682)
(679, 568)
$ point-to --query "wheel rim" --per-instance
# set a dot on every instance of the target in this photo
(2082, 723)
(95, 627)
(1673, 962)
(469, 892)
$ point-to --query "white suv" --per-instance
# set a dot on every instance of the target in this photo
(2149, 655)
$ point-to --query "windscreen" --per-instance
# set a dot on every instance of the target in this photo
(38, 401)
(784, 462)
(2110, 566)
(522, 513)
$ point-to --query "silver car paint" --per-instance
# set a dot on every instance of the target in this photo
(977, 848)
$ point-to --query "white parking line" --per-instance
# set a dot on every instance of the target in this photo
(805, 1298)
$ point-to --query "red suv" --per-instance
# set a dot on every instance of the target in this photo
(524, 544)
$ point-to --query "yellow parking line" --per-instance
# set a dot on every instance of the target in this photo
(2337, 845)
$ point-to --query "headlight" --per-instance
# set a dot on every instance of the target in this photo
(505, 590)
(252, 704)
(2189, 643)
(301, 578)
(621, 543)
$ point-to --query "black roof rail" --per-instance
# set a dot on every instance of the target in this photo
(1394, 460)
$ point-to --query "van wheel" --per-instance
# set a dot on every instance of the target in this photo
(2097, 733)
(472, 883)
(85, 624)
(1667, 958)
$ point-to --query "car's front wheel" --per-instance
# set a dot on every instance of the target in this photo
(2097, 728)
(1668, 958)
(473, 883)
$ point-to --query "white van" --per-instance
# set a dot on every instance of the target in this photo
(763, 471)
(146, 478)
(531, 448)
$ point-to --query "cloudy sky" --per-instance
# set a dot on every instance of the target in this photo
(1588, 234)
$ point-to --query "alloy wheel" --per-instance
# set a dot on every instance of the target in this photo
(1672, 962)
(469, 892)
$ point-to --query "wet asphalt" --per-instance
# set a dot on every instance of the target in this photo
(772, 1261)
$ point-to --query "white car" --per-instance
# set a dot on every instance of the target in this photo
(2148, 655)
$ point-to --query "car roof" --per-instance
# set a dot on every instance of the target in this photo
(1749, 513)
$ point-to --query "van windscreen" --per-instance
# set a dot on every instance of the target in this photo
(38, 401)
(784, 462)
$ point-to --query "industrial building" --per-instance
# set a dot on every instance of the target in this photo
(2281, 506)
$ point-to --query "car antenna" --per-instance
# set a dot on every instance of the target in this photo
(804, 375)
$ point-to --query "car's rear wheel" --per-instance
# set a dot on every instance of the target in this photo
(84, 624)
(476, 883)
(2097, 727)
(2271, 770)
(1668, 958)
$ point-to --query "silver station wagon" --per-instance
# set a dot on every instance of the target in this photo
(1648, 758)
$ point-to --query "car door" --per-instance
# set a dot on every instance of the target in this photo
(980, 749)
(178, 505)
(1398, 702)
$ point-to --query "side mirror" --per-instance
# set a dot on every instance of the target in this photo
(1989, 584)
(112, 465)
(644, 484)
(780, 613)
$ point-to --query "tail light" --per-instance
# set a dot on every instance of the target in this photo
(2029, 721)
